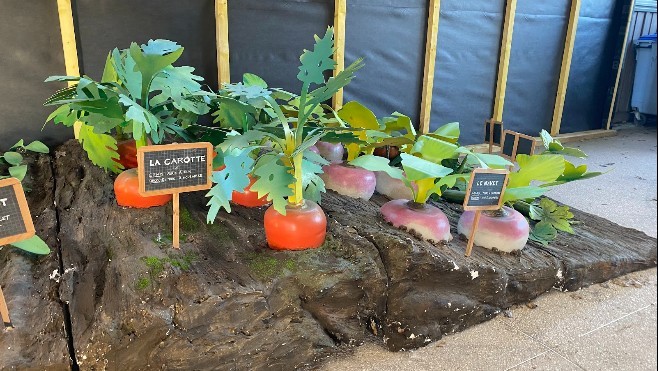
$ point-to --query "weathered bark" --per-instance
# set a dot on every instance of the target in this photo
(226, 301)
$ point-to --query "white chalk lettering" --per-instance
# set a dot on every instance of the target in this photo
(3, 201)
(4, 218)
(487, 182)
(184, 160)
(154, 163)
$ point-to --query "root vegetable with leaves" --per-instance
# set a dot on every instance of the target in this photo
(508, 230)
(286, 169)
(140, 95)
(435, 162)
(358, 182)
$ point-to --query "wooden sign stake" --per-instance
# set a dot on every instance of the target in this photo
(4, 311)
(176, 221)
(471, 238)
(484, 193)
(173, 169)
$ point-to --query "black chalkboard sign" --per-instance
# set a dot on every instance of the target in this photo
(515, 143)
(509, 140)
(493, 132)
(174, 168)
(485, 189)
(15, 219)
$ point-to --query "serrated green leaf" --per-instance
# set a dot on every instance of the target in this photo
(313, 185)
(448, 182)
(34, 245)
(358, 116)
(274, 180)
(314, 63)
(101, 149)
(13, 158)
(536, 212)
(234, 177)
(543, 233)
(37, 146)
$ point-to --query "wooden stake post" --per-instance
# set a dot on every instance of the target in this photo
(173, 169)
(485, 192)
(15, 225)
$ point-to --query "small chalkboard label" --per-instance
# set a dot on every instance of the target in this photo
(493, 132)
(15, 219)
(515, 143)
(485, 189)
(174, 168)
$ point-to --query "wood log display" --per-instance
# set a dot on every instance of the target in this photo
(226, 301)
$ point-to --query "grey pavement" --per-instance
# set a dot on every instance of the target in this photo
(608, 326)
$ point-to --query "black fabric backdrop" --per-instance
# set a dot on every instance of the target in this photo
(267, 37)
(31, 51)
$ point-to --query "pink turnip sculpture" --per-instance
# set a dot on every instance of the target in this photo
(506, 230)
(332, 152)
(426, 220)
(349, 180)
(393, 188)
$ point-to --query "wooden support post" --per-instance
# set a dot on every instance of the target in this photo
(471, 238)
(176, 220)
(221, 35)
(67, 28)
(621, 64)
(4, 311)
(566, 67)
(340, 13)
(503, 60)
(430, 60)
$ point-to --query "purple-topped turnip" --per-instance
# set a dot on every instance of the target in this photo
(393, 188)
(332, 152)
(505, 230)
(426, 220)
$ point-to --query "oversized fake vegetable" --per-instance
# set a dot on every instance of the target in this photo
(285, 167)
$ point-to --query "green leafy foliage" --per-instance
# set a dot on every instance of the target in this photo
(234, 177)
(559, 217)
(274, 180)
(314, 63)
(141, 94)
(34, 245)
(572, 173)
(543, 233)
(553, 146)
(14, 158)
(540, 168)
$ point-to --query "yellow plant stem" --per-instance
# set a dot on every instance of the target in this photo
(424, 187)
(298, 187)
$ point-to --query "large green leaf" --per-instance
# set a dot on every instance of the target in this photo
(18, 171)
(253, 80)
(152, 58)
(484, 160)
(37, 146)
(127, 73)
(34, 245)
(417, 168)
(313, 185)
(13, 158)
(522, 193)
(540, 168)
(314, 63)
(553, 146)
(434, 150)
(334, 84)
(274, 180)
(358, 116)
(234, 114)
(101, 149)
(572, 173)
(449, 132)
(448, 182)
(377, 163)
(142, 120)
(234, 177)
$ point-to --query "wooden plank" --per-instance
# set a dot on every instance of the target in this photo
(430, 60)
(563, 138)
(619, 68)
(340, 13)
(221, 35)
(503, 60)
(67, 29)
(558, 108)
(4, 311)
